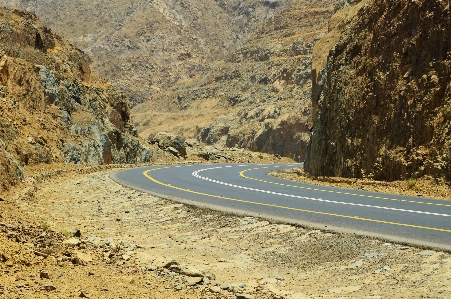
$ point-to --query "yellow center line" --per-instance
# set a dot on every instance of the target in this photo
(242, 174)
(146, 174)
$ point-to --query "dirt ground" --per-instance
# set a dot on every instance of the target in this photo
(129, 244)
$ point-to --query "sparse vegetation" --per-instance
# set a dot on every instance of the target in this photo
(45, 225)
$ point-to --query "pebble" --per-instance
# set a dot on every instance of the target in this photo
(72, 242)
(192, 272)
(244, 296)
(151, 268)
(83, 294)
(192, 281)
(178, 288)
(215, 289)
(44, 275)
(49, 287)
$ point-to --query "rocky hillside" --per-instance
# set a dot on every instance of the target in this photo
(382, 99)
(144, 46)
(52, 108)
(258, 97)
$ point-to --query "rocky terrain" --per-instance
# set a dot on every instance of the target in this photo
(381, 97)
(143, 47)
(79, 234)
(53, 109)
(257, 98)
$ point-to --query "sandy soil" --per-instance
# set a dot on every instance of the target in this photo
(134, 245)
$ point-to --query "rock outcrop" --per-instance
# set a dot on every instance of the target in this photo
(382, 98)
(258, 98)
(52, 108)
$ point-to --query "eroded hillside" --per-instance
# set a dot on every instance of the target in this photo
(258, 97)
(144, 47)
(382, 102)
(53, 109)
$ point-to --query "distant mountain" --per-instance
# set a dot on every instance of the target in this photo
(258, 97)
(144, 46)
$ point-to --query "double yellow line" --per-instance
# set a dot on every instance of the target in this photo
(147, 175)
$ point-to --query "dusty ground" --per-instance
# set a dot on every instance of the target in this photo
(134, 245)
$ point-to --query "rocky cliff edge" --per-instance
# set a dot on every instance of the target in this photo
(52, 108)
(381, 93)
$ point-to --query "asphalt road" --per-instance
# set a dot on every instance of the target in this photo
(246, 189)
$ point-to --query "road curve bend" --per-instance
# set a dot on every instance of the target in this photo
(246, 189)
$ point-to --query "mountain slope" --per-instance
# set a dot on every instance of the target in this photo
(53, 109)
(382, 102)
(144, 47)
(257, 97)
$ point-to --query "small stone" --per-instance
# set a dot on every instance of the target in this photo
(151, 268)
(94, 241)
(84, 257)
(170, 263)
(44, 275)
(126, 257)
(83, 294)
(215, 289)
(192, 281)
(72, 242)
(399, 247)
(77, 234)
(210, 276)
(244, 296)
(49, 287)
(178, 288)
(192, 272)
(104, 289)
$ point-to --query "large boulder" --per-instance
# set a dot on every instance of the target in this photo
(170, 142)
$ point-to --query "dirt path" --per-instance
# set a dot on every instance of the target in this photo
(134, 245)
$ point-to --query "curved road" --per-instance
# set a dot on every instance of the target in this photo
(245, 188)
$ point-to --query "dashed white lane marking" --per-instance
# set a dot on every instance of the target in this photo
(197, 175)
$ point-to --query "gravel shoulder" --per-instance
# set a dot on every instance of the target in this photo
(135, 245)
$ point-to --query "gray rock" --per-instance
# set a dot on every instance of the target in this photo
(192, 281)
(151, 268)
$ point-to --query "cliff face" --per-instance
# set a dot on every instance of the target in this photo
(382, 102)
(144, 47)
(52, 108)
(258, 97)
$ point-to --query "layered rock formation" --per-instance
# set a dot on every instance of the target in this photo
(258, 97)
(144, 46)
(382, 99)
(53, 109)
